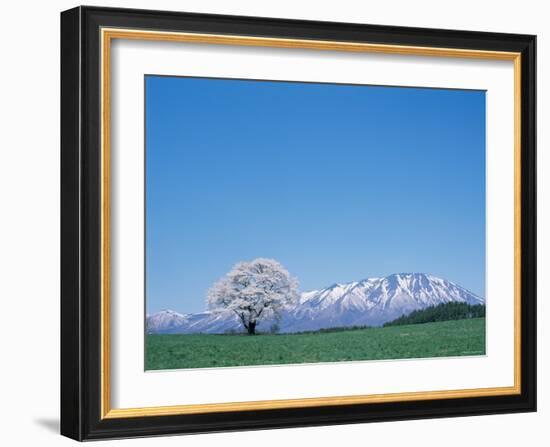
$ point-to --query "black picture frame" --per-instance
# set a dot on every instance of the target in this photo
(81, 224)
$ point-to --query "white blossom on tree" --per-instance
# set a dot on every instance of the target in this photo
(255, 291)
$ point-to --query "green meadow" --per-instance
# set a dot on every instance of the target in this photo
(439, 339)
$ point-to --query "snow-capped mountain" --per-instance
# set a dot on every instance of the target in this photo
(165, 321)
(170, 322)
(370, 302)
(373, 301)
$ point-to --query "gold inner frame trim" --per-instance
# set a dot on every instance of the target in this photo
(107, 35)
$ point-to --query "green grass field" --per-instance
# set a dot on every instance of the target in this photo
(447, 338)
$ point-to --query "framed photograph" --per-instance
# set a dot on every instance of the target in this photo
(277, 223)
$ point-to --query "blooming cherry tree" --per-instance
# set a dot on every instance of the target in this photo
(255, 291)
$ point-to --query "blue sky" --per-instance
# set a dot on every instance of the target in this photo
(336, 182)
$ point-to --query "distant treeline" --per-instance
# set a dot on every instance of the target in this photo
(441, 312)
(274, 330)
(332, 329)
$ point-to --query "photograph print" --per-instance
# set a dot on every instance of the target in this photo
(299, 223)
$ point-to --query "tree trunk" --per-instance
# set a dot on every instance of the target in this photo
(251, 328)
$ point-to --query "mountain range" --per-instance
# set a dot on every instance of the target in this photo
(369, 302)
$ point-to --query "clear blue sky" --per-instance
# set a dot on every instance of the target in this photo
(336, 182)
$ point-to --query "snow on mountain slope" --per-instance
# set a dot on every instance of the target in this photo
(165, 321)
(372, 302)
